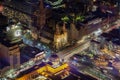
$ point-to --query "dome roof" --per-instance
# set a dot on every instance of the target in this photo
(54, 57)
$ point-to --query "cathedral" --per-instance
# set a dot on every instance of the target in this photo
(60, 36)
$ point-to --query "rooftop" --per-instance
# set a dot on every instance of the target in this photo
(28, 53)
(31, 69)
(22, 6)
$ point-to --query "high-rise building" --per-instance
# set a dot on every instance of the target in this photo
(14, 54)
(10, 57)
(3, 20)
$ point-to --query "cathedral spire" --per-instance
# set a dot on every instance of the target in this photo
(64, 27)
(41, 4)
(41, 16)
(57, 29)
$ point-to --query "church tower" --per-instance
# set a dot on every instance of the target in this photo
(57, 38)
(64, 35)
(41, 15)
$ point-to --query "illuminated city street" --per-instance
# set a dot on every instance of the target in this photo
(59, 40)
